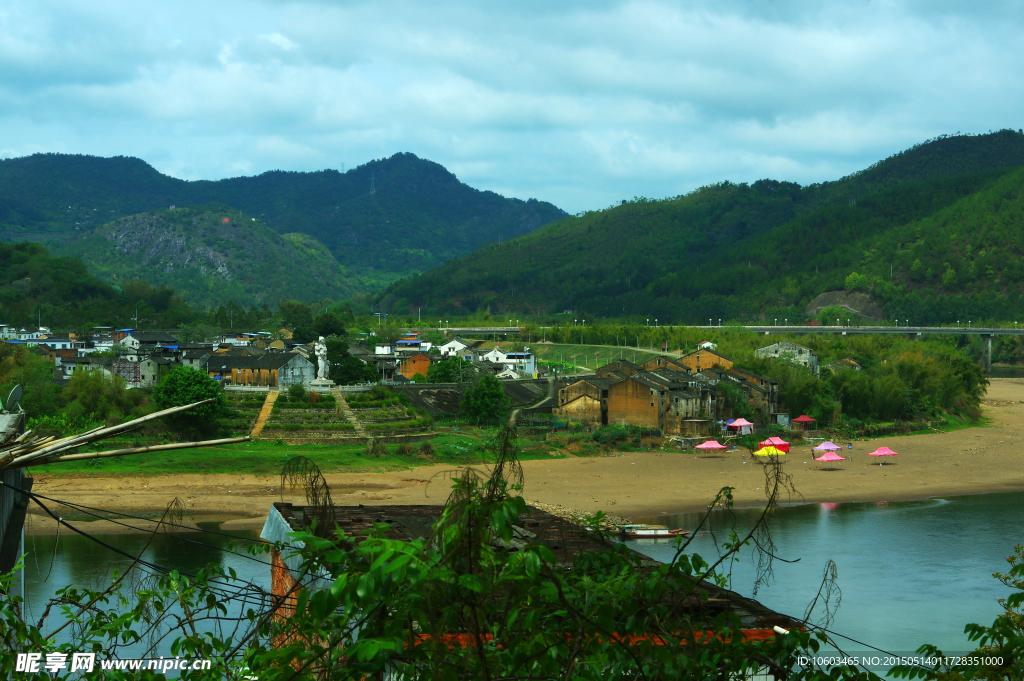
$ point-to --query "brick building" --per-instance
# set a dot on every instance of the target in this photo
(417, 364)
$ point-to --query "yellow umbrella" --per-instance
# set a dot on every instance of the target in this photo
(769, 451)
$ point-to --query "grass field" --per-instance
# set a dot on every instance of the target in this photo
(587, 356)
(266, 457)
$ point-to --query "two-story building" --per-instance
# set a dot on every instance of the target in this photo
(791, 352)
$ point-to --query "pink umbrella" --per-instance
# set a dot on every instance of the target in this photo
(776, 442)
(827, 447)
(883, 451)
(829, 456)
(711, 446)
(742, 426)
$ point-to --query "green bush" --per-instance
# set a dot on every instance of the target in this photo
(298, 391)
(185, 385)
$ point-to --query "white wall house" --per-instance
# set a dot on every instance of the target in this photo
(453, 347)
(790, 352)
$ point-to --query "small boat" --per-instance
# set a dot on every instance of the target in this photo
(650, 532)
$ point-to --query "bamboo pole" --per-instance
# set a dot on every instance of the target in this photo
(47, 447)
(139, 450)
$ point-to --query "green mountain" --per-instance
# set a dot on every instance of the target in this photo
(59, 292)
(765, 250)
(212, 255)
(382, 220)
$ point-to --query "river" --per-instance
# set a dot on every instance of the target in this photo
(910, 572)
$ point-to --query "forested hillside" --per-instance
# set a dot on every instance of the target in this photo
(212, 255)
(764, 250)
(383, 219)
(60, 292)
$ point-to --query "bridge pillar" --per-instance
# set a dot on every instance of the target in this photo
(986, 353)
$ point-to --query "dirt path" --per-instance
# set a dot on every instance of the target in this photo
(972, 461)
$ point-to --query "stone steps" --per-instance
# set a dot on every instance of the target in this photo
(268, 407)
(342, 406)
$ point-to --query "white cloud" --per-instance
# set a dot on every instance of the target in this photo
(581, 104)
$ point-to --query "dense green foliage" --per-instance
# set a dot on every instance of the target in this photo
(344, 368)
(326, 324)
(417, 215)
(99, 396)
(930, 233)
(35, 286)
(184, 385)
(485, 401)
(452, 370)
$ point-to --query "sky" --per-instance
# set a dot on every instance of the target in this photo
(582, 104)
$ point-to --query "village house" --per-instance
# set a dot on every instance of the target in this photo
(790, 352)
(665, 362)
(456, 346)
(417, 364)
(623, 393)
(619, 366)
(274, 369)
(30, 333)
(698, 360)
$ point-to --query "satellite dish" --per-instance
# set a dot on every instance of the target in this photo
(14, 398)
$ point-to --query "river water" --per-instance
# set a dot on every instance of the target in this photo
(910, 572)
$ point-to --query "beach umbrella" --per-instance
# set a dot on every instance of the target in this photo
(829, 457)
(742, 426)
(769, 451)
(804, 420)
(776, 442)
(711, 446)
(827, 447)
(883, 451)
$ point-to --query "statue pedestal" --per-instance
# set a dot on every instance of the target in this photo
(321, 385)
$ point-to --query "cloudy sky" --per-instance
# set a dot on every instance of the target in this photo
(577, 103)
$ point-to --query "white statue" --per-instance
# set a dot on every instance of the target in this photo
(320, 348)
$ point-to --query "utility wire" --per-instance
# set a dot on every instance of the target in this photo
(136, 517)
(89, 511)
(239, 592)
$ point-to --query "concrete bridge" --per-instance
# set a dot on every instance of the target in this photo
(458, 330)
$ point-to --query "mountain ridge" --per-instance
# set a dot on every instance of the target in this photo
(417, 214)
(726, 250)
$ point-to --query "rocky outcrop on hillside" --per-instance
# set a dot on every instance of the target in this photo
(860, 303)
(154, 242)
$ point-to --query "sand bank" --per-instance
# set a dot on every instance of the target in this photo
(972, 461)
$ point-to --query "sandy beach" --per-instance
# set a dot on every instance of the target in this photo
(642, 484)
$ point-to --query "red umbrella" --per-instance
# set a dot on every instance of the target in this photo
(803, 420)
